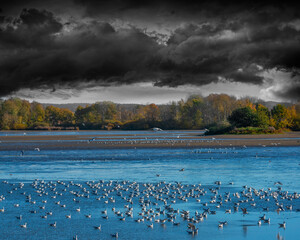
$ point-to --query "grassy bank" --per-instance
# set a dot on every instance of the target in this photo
(217, 130)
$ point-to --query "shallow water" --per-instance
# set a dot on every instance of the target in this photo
(257, 167)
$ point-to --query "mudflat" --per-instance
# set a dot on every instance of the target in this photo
(132, 140)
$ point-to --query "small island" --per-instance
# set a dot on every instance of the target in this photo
(258, 119)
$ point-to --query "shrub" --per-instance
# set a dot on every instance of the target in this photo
(19, 126)
(253, 130)
(215, 129)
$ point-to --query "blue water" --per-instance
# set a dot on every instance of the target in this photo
(257, 167)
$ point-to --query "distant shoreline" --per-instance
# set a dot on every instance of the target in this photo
(132, 141)
(100, 130)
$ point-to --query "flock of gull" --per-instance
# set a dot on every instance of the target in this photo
(152, 141)
(149, 204)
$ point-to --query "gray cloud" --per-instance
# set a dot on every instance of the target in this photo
(234, 41)
(290, 91)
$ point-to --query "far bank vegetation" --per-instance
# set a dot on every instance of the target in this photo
(219, 113)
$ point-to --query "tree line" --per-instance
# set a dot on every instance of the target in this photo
(217, 112)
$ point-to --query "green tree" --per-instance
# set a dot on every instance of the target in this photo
(190, 112)
(244, 117)
(263, 115)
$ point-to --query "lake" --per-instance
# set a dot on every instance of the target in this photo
(165, 173)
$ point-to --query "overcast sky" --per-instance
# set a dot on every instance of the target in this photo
(133, 51)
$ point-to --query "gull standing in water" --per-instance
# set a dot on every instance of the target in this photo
(282, 225)
(24, 225)
(53, 224)
(98, 227)
(116, 235)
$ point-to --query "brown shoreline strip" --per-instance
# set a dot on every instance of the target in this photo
(82, 142)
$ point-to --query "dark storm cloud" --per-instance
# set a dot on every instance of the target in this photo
(37, 52)
(216, 41)
(32, 29)
(210, 7)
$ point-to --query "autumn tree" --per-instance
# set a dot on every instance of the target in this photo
(52, 115)
(282, 117)
(194, 113)
(15, 114)
(66, 117)
(97, 114)
(59, 116)
(37, 113)
(139, 112)
(296, 120)
(218, 107)
(151, 113)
